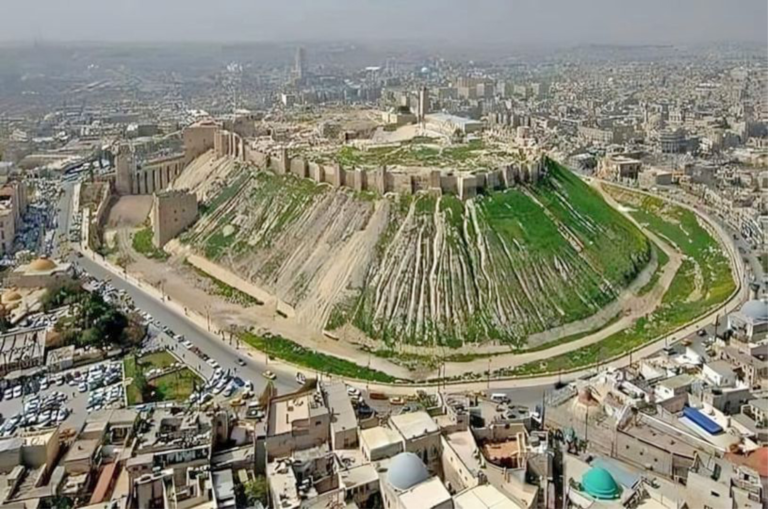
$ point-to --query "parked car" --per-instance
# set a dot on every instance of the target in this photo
(269, 375)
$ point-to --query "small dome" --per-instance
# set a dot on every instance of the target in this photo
(42, 264)
(406, 471)
(600, 484)
(756, 310)
(10, 296)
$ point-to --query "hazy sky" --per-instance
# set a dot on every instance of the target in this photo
(530, 22)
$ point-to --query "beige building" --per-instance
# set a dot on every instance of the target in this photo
(406, 484)
(620, 168)
(296, 422)
(344, 427)
(40, 273)
(13, 204)
(172, 212)
(421, 436)
(654, 177)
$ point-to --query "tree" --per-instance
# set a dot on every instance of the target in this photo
(256, 490)
(140, 381)
(136, 330)
(61, 502)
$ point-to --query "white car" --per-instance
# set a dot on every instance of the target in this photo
(187, 344)
(8, 394)
(17, 391)
(82, 387)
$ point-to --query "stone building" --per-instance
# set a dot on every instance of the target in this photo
(620, 168)
(172, 212)
(13, 204)
(133, 177)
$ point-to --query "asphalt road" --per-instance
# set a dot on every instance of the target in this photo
(213, 345)
(226, 355)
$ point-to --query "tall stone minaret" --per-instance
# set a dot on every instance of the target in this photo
(125, 166)
(423, 108)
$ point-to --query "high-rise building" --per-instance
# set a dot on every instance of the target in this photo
(300, 64)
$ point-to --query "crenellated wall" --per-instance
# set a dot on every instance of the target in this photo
(381, 180)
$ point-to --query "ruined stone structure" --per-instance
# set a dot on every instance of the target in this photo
(381, 180)
(158, 174)
(172, 212)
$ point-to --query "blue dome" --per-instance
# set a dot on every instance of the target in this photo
(406, 470)
(600, 484)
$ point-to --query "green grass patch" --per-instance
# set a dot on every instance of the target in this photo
(226, 194)
(294, 353)
(420, 151)
(175, 386)
(705, 274)
(218, 243)
(222, 289)
(142, 243)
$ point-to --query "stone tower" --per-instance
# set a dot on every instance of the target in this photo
(124, 168)
(423, 107)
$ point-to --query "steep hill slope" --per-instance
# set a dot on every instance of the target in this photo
(425, 269)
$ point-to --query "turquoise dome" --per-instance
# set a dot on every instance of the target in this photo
(600, 484)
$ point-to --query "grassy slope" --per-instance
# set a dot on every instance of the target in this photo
(525, 232)
(680, 305)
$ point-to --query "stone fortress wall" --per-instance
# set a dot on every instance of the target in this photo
(159, 174)
(380, 180)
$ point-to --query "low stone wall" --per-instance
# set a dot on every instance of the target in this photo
(381, 180)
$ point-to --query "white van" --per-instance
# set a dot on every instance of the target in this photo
(499, 397)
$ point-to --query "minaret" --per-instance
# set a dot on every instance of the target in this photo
(124, 168)
(423, 104)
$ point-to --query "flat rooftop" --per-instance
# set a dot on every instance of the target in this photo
(430, 493)
(485, 496)
(286, 413)
(414, 425)
(343, 416)
(463, 443)
(379, 437)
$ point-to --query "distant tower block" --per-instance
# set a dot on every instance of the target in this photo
(125, 167)
(423, 104)
(300, 64)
